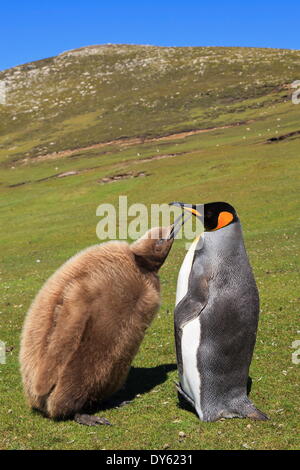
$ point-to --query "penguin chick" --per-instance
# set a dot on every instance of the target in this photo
(86, 324)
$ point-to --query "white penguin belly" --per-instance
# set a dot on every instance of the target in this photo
(184, 273)
(191, 380)
(191, 335)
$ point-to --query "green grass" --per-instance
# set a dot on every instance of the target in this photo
(52, 219)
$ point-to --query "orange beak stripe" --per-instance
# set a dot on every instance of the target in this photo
(193, 211)
(224, 219)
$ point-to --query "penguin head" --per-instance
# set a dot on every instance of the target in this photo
(153, 247)
(216, 214)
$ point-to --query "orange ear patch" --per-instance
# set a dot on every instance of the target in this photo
(224, 219)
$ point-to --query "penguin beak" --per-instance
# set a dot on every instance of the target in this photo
(176, 227)
(182, 219)
(187, 207)
(178, 223)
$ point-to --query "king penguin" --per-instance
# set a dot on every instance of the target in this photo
(216, 317)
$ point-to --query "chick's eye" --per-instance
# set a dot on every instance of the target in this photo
(159, 244)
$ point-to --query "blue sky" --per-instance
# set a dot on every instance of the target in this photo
(32, 30)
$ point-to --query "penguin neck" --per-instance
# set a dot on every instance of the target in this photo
(228, 239)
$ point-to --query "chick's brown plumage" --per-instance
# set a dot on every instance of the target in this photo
(87, 322)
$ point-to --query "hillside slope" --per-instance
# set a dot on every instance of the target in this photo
(99, 93)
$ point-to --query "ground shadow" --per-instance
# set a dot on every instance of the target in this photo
(140, 380)
(249, 385)
(183, 404)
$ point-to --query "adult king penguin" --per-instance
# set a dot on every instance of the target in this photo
(216, 317)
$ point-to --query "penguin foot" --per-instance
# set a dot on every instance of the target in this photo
(123, 403)
(90, 420)
(116, 403)
(245, 410)
(250, 411)
(258, 415)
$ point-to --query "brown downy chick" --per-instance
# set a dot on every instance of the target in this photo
(87, 322)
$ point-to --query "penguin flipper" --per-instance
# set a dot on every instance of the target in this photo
(189, 308)
(195, 300)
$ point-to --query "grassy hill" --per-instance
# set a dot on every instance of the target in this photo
(197, 125)
(101, 93)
